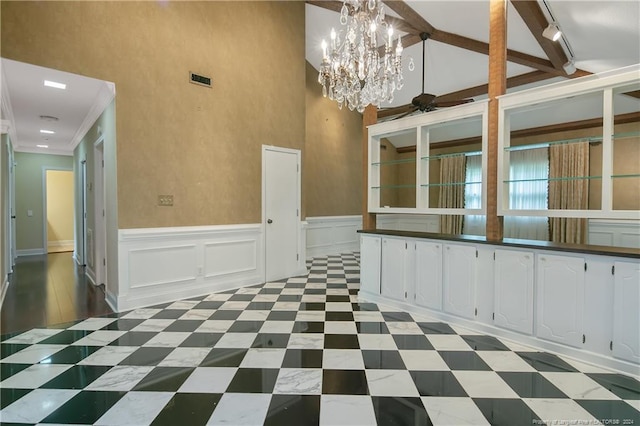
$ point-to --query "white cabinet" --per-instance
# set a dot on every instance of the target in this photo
(428, 286)
(370, 264)
(394, 270)
(458, 279)
(626, 316)
(597, 325)
(560, 298)
(513, 272)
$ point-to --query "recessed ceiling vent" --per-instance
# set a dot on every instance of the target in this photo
(199, 79)
(49, 118)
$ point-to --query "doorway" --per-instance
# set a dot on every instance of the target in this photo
(281, 211)
(99, 233)
(59, 210)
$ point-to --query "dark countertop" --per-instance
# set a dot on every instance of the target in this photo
(512, 242)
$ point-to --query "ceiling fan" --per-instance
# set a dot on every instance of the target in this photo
(424, 102)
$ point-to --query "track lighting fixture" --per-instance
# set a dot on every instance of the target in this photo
(552, 32)
(569, 67)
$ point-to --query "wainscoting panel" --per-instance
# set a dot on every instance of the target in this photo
(408, 222)
(162, 265)
(618, 233)
(230, 257)
(329, 235)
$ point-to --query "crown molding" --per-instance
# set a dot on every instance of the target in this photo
(7, 109)
(106, 94)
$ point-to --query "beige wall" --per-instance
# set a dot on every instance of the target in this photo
(30, 196)
(332, 164)
(201, 145)
(60, 209)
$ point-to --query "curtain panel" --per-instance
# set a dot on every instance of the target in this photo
(452, 170)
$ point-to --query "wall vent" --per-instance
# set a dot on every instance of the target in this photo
(199, 79)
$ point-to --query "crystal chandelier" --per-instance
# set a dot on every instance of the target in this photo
(353, 70)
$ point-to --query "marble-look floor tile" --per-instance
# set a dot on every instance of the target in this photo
(236, 340)
(560, 410)
(168, 339)
(231, 305)
(218, 297)
(183, 304)
(505, 361)
(311, 298)
(448, 342)
(92, 324)
(306, 341)
(342, 359)
(294, 381)
(143, 313)
(448, 411)
(367, 316)
(391, 383)
(120, 378)
(197, 314)
(404, 328)
(109, 355)
(208, 380)
(240, 409)
(484, 384)
(34, 376)
(263, 358)
(135, 409)
(340, 327)
(155, 325)
(36, 405)
(578, 386)
(339, 306)
(423, 360)
(99, 338)
(286, 306)
(376, 341)
(215, 326)
(185, 357)
(346, 410)
(33, 354)
(277, 327)
(32, 336)
(254, 315)
(310, 316)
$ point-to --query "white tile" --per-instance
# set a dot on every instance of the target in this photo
(218, 297)
(337, 292)
(376, 341)
(404, 328)
(367, 316)
(319, 298)
(448, 342)
(208, 380)
(240, 409)
(214, 326)
(391, 383)
(505, 361)
(263, 358)
(109, 355)
(145, 313)
(463, 331)
(292, 291)
(310, 316)
(275, 285)
(33, 354)
(578, 386)
(248, 290)
(153, 325)
(277, 327)
(318, 286)
(185, 357)
(33, 336)
(560, 410)
(234, 305)
(340, 327)
(285, 306)
(587, 368)
(635, 403)
(34, 376)
(135, 408)
(183, 304)
(420, 360)
(484, 384)
(342, 359)
(92, 324)
(120, 378)
(297, 280)
(517, 347)
(299, 381)
(36, 405)
(346, 410)
(167, 339)
(236, 340)
(99, 338)
(197, 314)
(266, 298)
(253, 315)
(306, 341)
(339, 306)
(447, 411)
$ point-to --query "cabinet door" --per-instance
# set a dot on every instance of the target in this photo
(370, 264)
(429, 274)
(560, 283)
(626, 317)
(393, 269)
(513, 271)
(459, 279)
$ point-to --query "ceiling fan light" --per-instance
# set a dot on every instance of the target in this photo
(552, 32)
(569, 67)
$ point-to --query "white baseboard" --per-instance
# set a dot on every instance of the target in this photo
(30, 252)
(60, 246)
(329, 235)
(91, 275)
(617, 233)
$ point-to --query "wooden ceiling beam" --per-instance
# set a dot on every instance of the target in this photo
(412, 17)
(334, 5)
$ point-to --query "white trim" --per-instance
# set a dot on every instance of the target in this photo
(617, 233)
(6, 106)
(66, 244)
(91, 275)
(329, 235)
(3, 290)
(48, 151)
(106, 94)
(31, 252)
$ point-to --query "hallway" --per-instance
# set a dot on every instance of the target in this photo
(47, 290)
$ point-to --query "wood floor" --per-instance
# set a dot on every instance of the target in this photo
(47, 290)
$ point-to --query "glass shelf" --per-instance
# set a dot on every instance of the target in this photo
(635, 175)
(455, 154)
(450, 184)
(552, 179)
(393, 186)
(388, 162)
(587, 139)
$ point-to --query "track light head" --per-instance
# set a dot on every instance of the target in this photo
(569, 67)
(552, 32)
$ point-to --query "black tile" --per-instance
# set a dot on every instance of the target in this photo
(312, 306)
(412, 341)
(271, 340)
(8, 336)
(506, 412)
(225, 315)
(295, 285)
(436, 328)
(161, 305)
(531, 385)
(400, 411)
(7, 349)
(77, 377)
(254, 380)
(335, 276)
(133, 338)
(611, 412)
(308, 327)
(464, 360)
(147, 356)
(224, 358)
(334, 298)
(484, 343)
(169, 314)
(188, 409)
(84, 408)
(354, 291)
(65, 337)
(290, 298)
(341, 341)
(201, 340)
(543, 361)
(242, 297)
(184, 325)
(9, 396)
(70, 355)
(339, 316)
(245, 327)
(270, 290)
(372, 328)
(397, 316)
(624, 387)
(260, 306)
(7, 370)
(364, 307)
(299, 410)
(123, 324)
(315, 280)
(338, 285)
(209, 304)
(302, 358)
(344, 382)
(164, 379)
(282, 316)
(437, 383)
(384, 359)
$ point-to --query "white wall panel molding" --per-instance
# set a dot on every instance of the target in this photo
(409, 222)
(159, 265)
(30, 252)
(328, 235)
(617, 233)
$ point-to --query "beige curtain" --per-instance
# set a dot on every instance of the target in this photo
(452, 170)
(568, 160)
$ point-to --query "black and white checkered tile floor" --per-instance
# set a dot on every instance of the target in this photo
(296, 352)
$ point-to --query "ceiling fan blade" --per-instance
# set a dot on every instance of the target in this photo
(444, 104)
(407, 113)
(390, 112)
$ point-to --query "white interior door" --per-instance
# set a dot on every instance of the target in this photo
(100, 233)
(281, 211)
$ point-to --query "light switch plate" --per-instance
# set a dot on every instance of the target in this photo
(165, 200)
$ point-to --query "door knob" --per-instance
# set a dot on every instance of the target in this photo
(269, 221)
